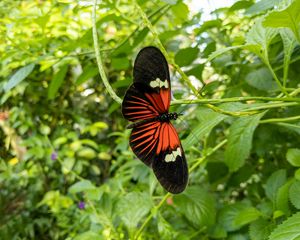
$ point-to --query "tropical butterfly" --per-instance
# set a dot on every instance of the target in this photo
(154, 139)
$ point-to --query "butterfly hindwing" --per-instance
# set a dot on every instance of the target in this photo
(170, 165)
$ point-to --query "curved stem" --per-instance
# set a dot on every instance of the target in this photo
(99, 60)
(234, 99)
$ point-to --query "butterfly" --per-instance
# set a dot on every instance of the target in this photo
(154, 139)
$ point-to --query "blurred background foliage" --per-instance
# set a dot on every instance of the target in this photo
(66, 170)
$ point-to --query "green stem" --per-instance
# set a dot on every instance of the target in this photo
(272, 105)
(153, 212)
(234, 99)
(99, 60)
(275, 77)
(200, 160)
(159, 205)
(271, 120)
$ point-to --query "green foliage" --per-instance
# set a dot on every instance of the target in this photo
(288, 230)
(66, 168)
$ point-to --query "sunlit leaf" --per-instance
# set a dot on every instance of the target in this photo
(288, 18)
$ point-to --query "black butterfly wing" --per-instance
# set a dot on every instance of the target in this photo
(151, 69)
(156, 143)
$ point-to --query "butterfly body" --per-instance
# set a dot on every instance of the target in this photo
(154, 139)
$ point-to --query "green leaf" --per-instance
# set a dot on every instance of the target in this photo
(293, 156)
(89, 235)
(259, 38)
(87, 153)
(229, 214)
(208, 119)
(282, 198)
(222, 51)
(133, 207)
(240, 5)
(197, 205)
(260, 229)
(261, 79)
(56, 201)
(18, 77)
(87, 73)
(196, 71)
(81, 186)
(240, 141)
(57, 81)
(181, 12)
(165, 230)
(246, 216)
(274, 182)
(120, 63)
(171, 2)
(186, 56)
(288, 230)
(294, 194)
(261, 6)
(208, 25)
(288, 18)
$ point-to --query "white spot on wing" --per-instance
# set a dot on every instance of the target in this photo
(171, 157)
(159, 83)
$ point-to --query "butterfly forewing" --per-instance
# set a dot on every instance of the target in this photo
(153, 141)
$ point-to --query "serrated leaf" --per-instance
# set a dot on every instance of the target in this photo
(186, 56)
(198, 206)
(240, 141)
(293, 156)
(288, 230)
(208, 119)
(294, 194)
(274, 182)
(261, 79)
(81, 186)
(133, 207)
(18, 77)
(288, 18)
(259, 38)
(260, 229)
(57, 81)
